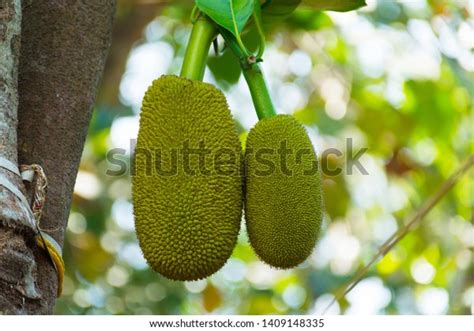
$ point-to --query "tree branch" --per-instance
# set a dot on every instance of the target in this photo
(409, 226)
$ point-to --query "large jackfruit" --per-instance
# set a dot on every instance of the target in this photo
(283, 205)
(187, 186)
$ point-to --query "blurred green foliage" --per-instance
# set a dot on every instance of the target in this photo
(395, 77)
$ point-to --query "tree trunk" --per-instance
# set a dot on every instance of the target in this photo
(63, 50)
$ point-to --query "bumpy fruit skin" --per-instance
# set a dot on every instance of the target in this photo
(187, 223)
(283, 205)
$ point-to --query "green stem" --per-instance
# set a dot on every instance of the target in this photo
(237, 33)
(203, 33)
(257, 17)
(258, 89)
(254, 76)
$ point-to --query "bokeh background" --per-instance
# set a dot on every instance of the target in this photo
(395, 76)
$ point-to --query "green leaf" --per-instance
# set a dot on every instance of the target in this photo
(232, 15)
(225, 68)
(336, 5)
(275, 11)
(308, 20)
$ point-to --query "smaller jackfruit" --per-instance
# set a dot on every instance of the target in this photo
(283, 203)
(187, 208)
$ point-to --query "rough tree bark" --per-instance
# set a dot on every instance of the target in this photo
(17, 262)
(63, 49)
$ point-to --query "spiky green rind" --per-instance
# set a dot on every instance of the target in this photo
(187, 224)
(283, 211)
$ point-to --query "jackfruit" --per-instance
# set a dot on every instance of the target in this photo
(283, 202)
(187, 183)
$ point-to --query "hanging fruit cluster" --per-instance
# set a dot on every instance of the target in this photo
(192, 179)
